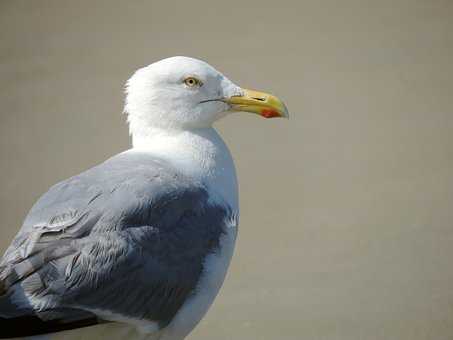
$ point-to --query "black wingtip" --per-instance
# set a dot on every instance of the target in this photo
(31, 325)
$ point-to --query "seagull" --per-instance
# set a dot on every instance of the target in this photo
(142, 241)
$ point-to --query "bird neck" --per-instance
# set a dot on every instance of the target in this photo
(198, 153)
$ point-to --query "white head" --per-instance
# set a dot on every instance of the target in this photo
(183, 93)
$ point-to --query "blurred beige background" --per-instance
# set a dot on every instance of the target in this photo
(347, 209)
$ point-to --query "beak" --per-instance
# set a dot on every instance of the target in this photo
(264, 104)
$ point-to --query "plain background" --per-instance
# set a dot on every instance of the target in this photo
(347, 209)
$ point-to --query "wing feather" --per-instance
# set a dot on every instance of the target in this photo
(127, 237)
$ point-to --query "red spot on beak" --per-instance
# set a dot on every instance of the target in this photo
(267, 113)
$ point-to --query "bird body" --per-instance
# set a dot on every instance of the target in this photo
(139, 245)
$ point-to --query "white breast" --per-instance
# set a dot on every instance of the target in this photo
(215, 269)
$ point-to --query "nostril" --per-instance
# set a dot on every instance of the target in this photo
(259, 98)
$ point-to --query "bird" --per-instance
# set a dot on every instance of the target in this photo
(141, 243)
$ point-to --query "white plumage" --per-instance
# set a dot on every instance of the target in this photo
(145, 239)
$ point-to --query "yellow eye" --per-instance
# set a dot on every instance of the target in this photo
(192, 82)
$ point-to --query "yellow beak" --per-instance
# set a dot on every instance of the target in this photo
(261, 103)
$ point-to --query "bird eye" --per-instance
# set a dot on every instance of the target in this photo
(192, 82)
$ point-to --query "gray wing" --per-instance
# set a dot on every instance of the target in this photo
(127, 237)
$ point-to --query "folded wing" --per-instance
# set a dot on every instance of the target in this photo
(123, 241)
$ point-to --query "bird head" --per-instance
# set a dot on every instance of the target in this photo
(185, 93)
